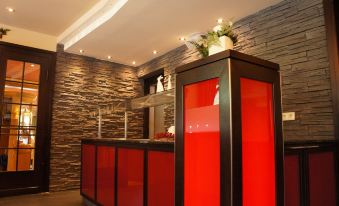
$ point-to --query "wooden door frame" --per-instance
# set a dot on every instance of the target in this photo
(331, 13)
(50, 58)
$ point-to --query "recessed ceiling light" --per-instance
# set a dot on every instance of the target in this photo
(10, 9)
(155, 52)
(133, 62)
(109, 57)
(220, 20)
(81, 51)
(182, 38)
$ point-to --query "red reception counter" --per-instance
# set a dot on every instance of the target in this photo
(127, 172)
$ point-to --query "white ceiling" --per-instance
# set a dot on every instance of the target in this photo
(45, 16)
(134, 31)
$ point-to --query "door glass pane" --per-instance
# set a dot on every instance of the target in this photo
(25, 159)
(32, 73)
(10, 114)
(12, 92)
(28, 116)
(10, 156)
(30, 94)
(27, 137)
(8, 137)
(14, 70)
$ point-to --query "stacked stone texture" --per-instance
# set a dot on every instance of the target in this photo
(81, 85)
(292, 34)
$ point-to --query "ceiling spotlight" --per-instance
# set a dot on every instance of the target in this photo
(220, 20)
(109, 57)
(32, 65)
(133, 62)
(10, 9)
(182, 39)
(155, 52)
(81, 51)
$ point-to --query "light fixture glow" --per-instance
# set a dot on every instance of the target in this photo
(155, 52)
(220, 20)
(109, 57)
(182, 39)
(10, 9)
(81, 51)
(32, 65)
(133, 62)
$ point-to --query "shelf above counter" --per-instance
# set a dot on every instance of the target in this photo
(153, 100)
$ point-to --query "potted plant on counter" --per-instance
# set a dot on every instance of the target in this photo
(221, 38)
(3, 31)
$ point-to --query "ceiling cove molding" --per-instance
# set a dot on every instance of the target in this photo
(95, 17)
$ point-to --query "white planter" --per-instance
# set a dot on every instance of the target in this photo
(225, 43)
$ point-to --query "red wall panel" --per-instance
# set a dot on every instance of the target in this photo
(201, 145)
(258, 154)
(131, 177)
(105, 175)
(322, 179)
(292, 180)
(160, 178)
(88, 170)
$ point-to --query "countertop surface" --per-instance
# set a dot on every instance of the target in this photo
(128, 141)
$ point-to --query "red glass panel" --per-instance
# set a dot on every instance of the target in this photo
(322, 179)
(292, 180)
(258, 156)
(131, 177)
(88, 170)
(160, 178)
(201, 144)
(105, 175)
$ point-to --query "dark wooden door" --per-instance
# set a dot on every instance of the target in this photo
(25, 104)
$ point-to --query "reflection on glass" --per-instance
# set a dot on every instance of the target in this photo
(14, 70)
(25, 159)
(10, 114)
(27, 136)
(30, 94)
(8, 160)
(28, 116)
(12, 92)
(32, 73)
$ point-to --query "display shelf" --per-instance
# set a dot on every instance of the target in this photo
(152, 100)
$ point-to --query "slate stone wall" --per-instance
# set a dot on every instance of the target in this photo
(292, 34)
(81, 85)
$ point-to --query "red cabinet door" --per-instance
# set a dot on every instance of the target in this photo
(106, 175)
(130, 177)
(160, 178)
(292, 180)
(88, 171)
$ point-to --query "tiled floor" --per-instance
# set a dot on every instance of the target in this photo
(67, 198)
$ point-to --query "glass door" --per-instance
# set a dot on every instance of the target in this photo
(19, 116)
(24, 119)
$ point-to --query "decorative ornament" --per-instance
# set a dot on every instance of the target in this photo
(169, 82)
(3, 31)
(160, 87)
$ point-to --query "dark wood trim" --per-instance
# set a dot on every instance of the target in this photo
(47, 60)
(228, 54)
(331, 11)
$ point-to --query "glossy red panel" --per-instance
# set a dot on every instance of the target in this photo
(105, 175)
(322, 187)
(160, 178)
(131, 177)
(88, 170)
(292, 180)
(201, 144)
(258, 154)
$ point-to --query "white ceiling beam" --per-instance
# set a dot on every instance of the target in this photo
(95, 17)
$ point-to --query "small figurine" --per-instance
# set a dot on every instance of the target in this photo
(160, 87)
(216, 97)
(169, 82)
